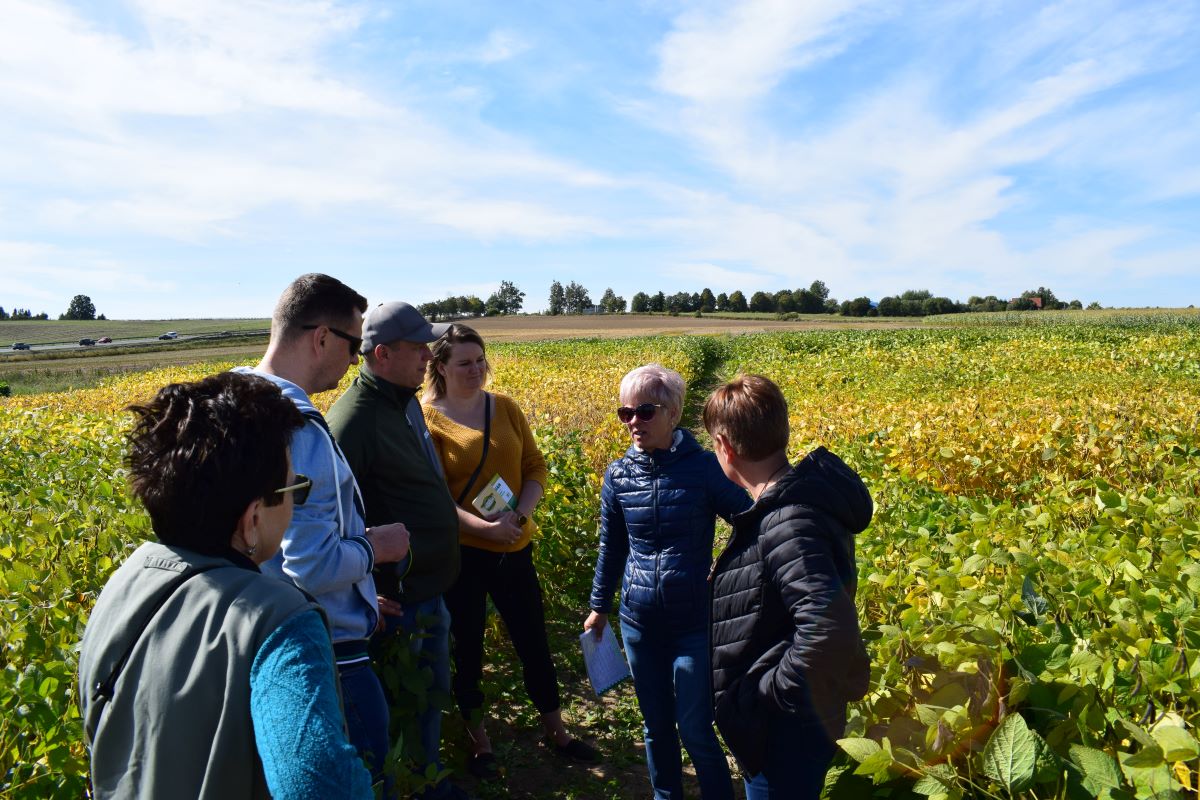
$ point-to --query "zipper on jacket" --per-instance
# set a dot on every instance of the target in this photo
(657, 550)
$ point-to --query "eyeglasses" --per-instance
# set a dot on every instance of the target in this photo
(355, 341)
(645, 412)
(300, 487)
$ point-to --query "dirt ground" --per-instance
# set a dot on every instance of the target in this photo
(531, 328)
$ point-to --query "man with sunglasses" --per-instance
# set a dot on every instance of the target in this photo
(327, 550)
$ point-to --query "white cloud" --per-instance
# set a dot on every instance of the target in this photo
(739, 54)
(502, 46)
(48, 273)
(204, 121)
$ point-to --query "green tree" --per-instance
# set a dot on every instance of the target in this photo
(722, 302)
(858, 307)
(641, 303)
(785, 301)
(576, 299)
(737, 301)
(508, 299)
(3, 313)
(557, 299)
(762, 302)
(1094, 306)
(81, 307)
(658, 302)
(610, 303)
(708, 303)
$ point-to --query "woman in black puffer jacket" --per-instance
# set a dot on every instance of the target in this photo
(658, 510)
(787, 651)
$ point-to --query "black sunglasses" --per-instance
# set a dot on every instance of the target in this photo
(645, 412)
(355, 341)
(299, 488)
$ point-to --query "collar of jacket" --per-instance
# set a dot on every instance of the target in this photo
(400, 395)
(821, 481)
(240, 559)
(682, 443)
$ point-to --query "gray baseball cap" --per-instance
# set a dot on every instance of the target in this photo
(397, 322)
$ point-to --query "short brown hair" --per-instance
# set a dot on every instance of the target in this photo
(752, 414)
(314, 299)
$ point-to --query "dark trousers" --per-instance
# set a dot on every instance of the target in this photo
(512, 583)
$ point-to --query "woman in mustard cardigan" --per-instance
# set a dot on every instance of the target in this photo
(497, 556)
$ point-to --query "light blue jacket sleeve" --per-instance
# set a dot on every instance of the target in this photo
(316, 555)
(298, 723)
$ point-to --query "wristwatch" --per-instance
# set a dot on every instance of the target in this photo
(522, 519)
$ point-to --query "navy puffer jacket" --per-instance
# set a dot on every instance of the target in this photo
(657, 517)
(785, 633)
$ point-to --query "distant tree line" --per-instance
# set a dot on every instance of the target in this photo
(508, 299)
(22, 313)
(574, 299)
(80, 307)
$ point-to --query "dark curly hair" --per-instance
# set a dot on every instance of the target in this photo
(200, 452)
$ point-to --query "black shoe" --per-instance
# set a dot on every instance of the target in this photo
(575, 750)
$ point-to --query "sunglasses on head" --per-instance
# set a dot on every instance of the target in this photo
(355, 341)
(300, 489)
(645, 412)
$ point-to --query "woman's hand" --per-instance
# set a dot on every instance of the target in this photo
(595, 623)
(505, 528)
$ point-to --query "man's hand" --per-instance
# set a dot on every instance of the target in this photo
(390, 542)
(389, 607)
(595, 623)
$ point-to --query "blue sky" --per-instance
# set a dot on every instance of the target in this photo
(179, 158)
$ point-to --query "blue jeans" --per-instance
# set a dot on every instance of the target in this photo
(671, 675)
(798, 756)
(366, 714)
(428, 622)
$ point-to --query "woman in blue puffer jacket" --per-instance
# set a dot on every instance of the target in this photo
(658, 510)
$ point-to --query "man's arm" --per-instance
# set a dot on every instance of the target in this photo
(316, 555)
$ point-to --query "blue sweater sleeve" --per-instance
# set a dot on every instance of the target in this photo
(298, 723)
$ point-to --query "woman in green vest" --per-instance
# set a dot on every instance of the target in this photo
(198, 675)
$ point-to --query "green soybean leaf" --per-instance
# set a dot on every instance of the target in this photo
(860, 749)
(1010, 756)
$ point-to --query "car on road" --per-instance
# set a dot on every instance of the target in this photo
(104, 340)
(169, 335)
(87, 342)
(20, 346)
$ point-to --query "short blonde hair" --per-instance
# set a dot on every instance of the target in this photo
(658, 384)
(751, 412)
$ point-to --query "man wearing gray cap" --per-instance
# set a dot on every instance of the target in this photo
(380, 427)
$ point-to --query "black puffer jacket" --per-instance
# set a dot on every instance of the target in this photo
(785, 630)
(657, 515)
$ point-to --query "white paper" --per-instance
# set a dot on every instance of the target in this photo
(606, 665)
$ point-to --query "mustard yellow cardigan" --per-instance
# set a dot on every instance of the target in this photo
(512, 453)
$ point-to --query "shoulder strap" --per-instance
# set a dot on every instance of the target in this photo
(102, 691)
(487, 438)
(316, 417)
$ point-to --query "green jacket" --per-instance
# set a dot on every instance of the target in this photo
(381, 431)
